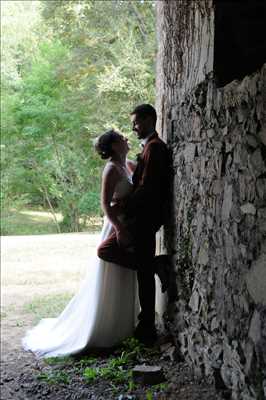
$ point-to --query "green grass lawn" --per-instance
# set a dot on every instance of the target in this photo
(27, 222)
(35, 222)
(48, 306)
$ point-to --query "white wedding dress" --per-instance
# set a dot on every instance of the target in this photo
(100, 315)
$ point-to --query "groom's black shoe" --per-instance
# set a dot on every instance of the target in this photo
(162, 265)
(145, 335)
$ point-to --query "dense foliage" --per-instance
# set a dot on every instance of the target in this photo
(71, 69)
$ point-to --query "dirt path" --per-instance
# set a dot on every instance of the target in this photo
(34, 267)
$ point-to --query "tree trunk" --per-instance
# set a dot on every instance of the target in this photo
(47, 199)
(217, 233)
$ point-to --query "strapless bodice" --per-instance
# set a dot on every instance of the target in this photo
(123, 188)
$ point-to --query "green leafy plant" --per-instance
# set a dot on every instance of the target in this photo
(85, 362)
(149, 395)
(54, 377)
(131, 386)
(90, 374)
(132, 349)
(58, 360)
(160, 386)
(113, 372)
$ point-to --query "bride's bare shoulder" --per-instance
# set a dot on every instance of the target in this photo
(110, 170)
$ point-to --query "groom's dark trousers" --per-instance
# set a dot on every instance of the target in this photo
(144, 215)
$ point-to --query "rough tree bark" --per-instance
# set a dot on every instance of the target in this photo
(217, 232)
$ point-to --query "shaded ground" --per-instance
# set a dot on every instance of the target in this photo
(39, 275)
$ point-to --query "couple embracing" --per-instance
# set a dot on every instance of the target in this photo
(134, 198)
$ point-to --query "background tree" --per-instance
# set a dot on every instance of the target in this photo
(95, 63)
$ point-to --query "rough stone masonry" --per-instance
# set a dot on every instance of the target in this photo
(217, 231)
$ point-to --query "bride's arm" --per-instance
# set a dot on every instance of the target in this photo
(109, 180)
(131, 166)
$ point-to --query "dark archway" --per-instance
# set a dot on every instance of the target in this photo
(239, 38)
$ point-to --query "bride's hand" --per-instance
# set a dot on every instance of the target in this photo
(117, 209)
(123, 237)
(119, 205)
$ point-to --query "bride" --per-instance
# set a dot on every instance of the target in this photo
(102, 313)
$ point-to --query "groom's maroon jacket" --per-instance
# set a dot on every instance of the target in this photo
(151, 184)
(145, 208)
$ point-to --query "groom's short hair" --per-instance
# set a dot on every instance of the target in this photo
(145, 110)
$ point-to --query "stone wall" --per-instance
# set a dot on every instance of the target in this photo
(217, 230)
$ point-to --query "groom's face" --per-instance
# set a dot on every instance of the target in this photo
(141, 125)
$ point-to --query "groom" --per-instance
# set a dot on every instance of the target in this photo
(144, 213)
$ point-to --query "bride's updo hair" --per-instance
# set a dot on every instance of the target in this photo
(103, 144)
